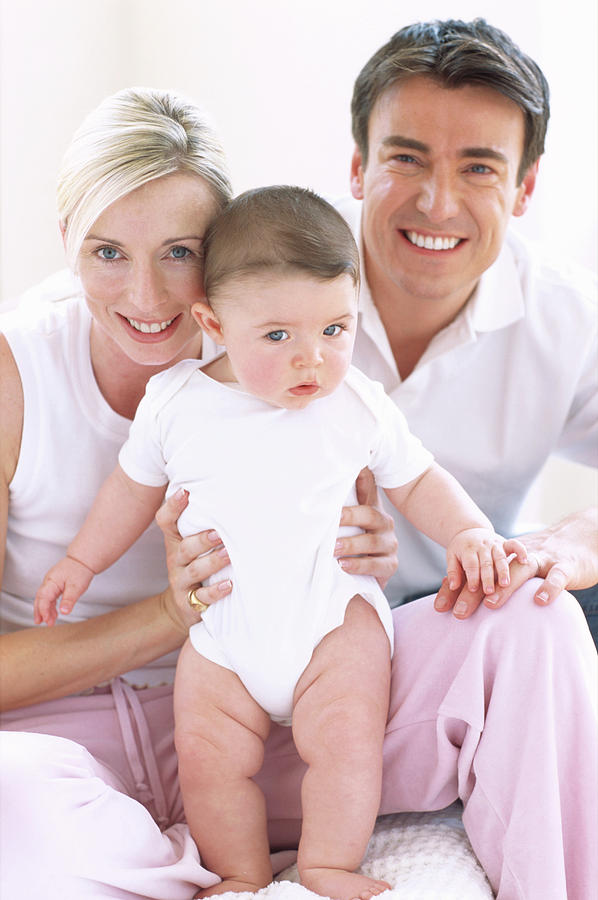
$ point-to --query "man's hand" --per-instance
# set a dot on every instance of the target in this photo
(374, 551)
(191, 560)
(564, 556)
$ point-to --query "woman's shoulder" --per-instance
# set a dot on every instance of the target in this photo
(11, 411)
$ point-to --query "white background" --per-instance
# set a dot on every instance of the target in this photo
(277, 78)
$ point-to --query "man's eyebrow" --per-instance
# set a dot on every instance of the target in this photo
(483, 153)
(398, 140)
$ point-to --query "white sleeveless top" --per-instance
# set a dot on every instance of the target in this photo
(71, 439)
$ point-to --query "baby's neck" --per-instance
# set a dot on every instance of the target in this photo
(220, 369)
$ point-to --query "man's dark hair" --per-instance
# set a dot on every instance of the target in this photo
(282, 229)
(456, 53)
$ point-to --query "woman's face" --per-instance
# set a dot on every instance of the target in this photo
(141, 270)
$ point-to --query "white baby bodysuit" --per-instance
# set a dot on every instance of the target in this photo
(272, 483)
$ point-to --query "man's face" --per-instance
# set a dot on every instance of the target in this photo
(439, 187)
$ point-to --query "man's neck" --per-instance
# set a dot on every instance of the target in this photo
(411, 322)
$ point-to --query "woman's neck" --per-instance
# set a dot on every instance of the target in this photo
(121, 380)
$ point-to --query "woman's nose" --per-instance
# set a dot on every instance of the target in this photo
(146, 290)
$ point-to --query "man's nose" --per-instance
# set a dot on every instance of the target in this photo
(438, 198)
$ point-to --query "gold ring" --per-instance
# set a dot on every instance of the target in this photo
(195, 603)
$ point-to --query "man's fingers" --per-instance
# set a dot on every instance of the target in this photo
(365, 488)
(555, 582)
(370, 518)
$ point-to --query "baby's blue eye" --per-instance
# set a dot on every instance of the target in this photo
(332, 330)
(108, 253)
(179, 252)
(277, 335)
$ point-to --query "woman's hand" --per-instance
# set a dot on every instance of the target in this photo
(373, 552)
(190, 561)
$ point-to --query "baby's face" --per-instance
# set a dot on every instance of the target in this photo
(289, 338)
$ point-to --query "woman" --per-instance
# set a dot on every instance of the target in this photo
(495, 709)
(140, 182)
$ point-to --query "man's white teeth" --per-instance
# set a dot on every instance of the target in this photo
(432, 243)
(149, 327)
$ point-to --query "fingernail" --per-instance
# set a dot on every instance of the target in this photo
(542, 597)
(460, 608)
(492, 598)
(441, 602)
(225, 585)
(222, 552)
(179, 494)
(345, 564)
(338, 547)
(213, 537)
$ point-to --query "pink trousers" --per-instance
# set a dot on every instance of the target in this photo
(499, 710)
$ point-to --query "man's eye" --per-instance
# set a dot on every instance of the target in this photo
(180, 252)
(277, 336)
(108, 253)
(480, 169)
(333, 330)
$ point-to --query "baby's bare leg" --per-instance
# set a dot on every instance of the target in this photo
(219, 733)
(339, 717)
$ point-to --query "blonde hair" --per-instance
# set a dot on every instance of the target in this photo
(133, 137)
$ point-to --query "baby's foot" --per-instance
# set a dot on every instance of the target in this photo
(342, 885)
(230, 885)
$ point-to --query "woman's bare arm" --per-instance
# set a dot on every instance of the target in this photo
(39, 664)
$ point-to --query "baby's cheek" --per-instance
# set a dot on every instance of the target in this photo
(262, 376)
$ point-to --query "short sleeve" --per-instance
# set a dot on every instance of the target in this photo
(397, 456)
(141, 455)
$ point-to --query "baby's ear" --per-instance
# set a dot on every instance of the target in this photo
(208, 321)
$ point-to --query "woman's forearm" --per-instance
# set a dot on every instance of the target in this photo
(38, 664)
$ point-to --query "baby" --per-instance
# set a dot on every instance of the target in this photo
(268, 439)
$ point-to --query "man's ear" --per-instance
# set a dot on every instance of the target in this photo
(526, 189)
(357, 174)
(207, 320)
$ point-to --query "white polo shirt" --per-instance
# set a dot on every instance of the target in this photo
(511, 380)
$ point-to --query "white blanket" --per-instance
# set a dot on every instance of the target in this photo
(424, 856)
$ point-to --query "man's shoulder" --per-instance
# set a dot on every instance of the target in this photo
(543, 275)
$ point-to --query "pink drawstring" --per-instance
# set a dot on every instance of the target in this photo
(141, 759)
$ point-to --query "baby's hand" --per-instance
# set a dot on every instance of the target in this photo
(482, 555)
(69, 578)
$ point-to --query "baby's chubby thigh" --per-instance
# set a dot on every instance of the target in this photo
(343, 693)
(218, 724)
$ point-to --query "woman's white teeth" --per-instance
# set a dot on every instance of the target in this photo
(149, 327)
(432, 243)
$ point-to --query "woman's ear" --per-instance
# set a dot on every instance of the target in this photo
(208, 321)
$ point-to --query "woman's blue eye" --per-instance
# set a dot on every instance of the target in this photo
(277, 335)
(108, 253)
(332, 330)
(179, 252)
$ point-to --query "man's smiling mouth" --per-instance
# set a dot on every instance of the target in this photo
(429, 242)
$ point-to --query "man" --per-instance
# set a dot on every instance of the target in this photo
(490, 355)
